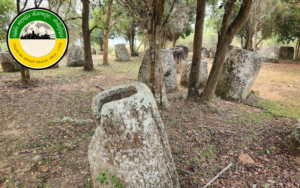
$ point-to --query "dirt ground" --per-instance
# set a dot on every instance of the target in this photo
(203, 139)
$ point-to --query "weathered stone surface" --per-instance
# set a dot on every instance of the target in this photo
(241, 68)
(8, 63)
(130, 139)
(75, 56)
(169, 70)
(295, 140)
(286, 52)
(185, 49)
(205, 54)
(93, 51)
(100, 53)
(270, 54)
(135, 53)
(122, 53)
(179, 55)
(185, 76)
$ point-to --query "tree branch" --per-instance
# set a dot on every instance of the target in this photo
(241, 18)
(74, 18)
(91, 30)
(167, 18)
(25, 4)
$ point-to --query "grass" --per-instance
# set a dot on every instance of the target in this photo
(279, 109)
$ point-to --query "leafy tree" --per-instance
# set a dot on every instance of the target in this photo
(86, 32)
(287, 24)
(97, 37)
(225, 37)
(180, 21)
(151, 15)
(104, 14)
(7, 9)
(197, 48)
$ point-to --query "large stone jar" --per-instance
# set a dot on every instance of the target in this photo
(169, 70)
(130, 139)
(241, 68)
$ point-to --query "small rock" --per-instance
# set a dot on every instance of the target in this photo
(246, 159)
(290, 85)
(295, 141)
(37, 158)
(254, 92)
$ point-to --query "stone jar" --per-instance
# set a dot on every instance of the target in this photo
(130, 139)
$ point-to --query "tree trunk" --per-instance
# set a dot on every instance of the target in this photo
(255, 26)
(197, 48)
(224, 40)
(173, 41)
(164, 41)
(297, 54)
(106, 33)
(249, 36)
(88, 61)
(105, 49)
(25, 75)
(156, 84)
(101, 45)
(242, 42)
(131, 40)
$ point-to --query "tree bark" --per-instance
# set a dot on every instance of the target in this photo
(242, 42)
(106, 33)
(131, 40)
(224, 40)
(25, 75)
(197, 48)
(256, 18)
(88, 61)
(173, 41)
(297, 54)
(156, 84)
(248, 41)
(101, 45)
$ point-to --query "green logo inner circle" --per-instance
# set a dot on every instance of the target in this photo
(34, 15)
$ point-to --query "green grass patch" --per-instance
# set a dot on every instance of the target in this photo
(279, 109)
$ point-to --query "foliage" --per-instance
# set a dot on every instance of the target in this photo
(7, 8)
(287, 22)
(106, 177)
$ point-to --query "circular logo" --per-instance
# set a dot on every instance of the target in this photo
(37, 38)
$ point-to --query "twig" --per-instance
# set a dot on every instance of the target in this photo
(228, 166)
(238, 164)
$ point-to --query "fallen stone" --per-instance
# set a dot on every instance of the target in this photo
(179, 55)
(185, 76)
(270, 54)
(205, 54)
(169, 70)
(93, 51)
(75, 120)
(241, 68)
(254, 92)
(8, 63)
(135, 53)
(75, 57)
(130, 139)
(246, 159)
(122, 53)
(286, 52)
(295, 140)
